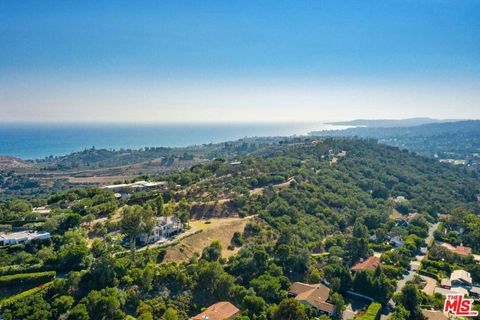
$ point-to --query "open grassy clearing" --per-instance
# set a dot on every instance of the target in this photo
(221, 229)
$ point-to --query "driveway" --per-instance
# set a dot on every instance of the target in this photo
(430, 286)
(415, 264)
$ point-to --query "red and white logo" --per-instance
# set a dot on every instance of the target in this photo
(459, 306)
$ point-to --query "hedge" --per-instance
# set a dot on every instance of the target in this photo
(372, 313)
(27, 278)
(428, 274)
(21, 269)
(24, 294)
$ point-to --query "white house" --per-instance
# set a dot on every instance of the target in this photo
(164, 227)
(460, 281)
(461, 278)
(22, 237)
(135, 186)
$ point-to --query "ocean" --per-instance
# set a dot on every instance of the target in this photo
(35, 141)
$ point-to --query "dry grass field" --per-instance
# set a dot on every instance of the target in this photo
(221, 229)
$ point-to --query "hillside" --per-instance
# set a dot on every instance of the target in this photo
(302, 209)
(458, 140)
(387, 123)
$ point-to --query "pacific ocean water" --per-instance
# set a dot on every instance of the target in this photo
(35, 140)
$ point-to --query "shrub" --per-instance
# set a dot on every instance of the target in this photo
(24, 294)
(26, 278)
(372, 313)
(21, 269)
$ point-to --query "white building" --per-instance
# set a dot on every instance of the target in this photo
(135, 186)
(164, 227)
(460, 281)
(461, 278)
(22, 237)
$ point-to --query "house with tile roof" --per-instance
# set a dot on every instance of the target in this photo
(222, 310)
(371, 263)
(314, 295)
(461, 249)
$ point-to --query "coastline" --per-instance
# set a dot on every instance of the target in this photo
(39, 140)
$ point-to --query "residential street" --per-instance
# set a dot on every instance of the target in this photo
(414, 265)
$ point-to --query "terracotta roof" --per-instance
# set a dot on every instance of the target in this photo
(371, 263)
(464, 251)
(461, 249)
(218, 311)
(434, 315)
(314, 294)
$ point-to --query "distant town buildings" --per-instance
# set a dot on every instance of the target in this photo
(164, 227)
(222, 310)
(314, 295)
(455, 162)
(22, 237)
(135, 186)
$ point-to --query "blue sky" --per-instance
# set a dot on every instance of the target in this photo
(238, 60)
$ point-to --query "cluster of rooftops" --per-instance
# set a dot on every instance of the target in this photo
(314, 295)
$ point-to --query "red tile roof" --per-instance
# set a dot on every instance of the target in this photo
(464, 251)
(315, 295)
(461, 249)
(371, 263)
(219, 311)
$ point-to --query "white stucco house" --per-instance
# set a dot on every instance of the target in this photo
(164, 227)
(22, 237)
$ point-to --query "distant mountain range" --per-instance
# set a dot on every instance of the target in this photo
(456, 140)
(389, 123)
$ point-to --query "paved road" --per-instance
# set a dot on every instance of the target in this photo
(414, 265)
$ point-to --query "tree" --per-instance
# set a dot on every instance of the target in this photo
(159, 204)
(79, 312)
(337, 300)
(29, 308)
(268, 287)
(254, 304)
(105, 304)
(170, 314)
(183, 212)
(409, 298)
(290, 309)
(170, 208)
(400, 313)
(213, 283)
(135, 221)
(213, 252)
(73, 253)
(339, 274)
(98, 248)
(61, 305)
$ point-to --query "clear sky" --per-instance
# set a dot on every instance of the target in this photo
(169, 61)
